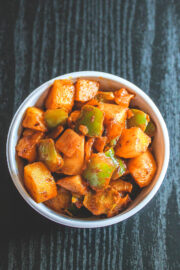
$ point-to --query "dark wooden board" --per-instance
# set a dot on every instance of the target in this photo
(136, 39)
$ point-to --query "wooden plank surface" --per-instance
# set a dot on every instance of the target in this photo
(136, 39)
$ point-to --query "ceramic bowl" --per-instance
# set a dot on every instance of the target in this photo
(108, 82)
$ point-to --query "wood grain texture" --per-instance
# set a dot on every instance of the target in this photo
(138, 40)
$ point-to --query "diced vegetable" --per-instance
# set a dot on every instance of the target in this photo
(122, 186)
(73, 118)
(55, 132)
(123, 97)
(88, 148)
(61, 95)
(26, 147)
(100, 143)
(105, 96)
(150, 129)
(55, 117)
(92, 118)
(99, 171)
(142, 168)
(73, 165)
(61, 202)
(118, 163)
(28, 132)
(74, 184)
(34, 119)
(114, 121)
(68, 142)
(83, 129)
(86, 90)
(132, 143)
(48, 154)
(122, 203)
(139, 119)
(39, 182)
(113, 142)
(107, 202)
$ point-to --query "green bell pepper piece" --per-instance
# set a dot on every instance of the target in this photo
(150, 129)
(56, 117)
(139, 119)
(99, 171)
(92, 118)
(48, 154)
(119, 164)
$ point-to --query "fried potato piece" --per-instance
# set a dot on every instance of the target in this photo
(100, 143)
(61, 95)
(27, 145)
(86, 90)
(39, 182)
(34, 119)
(68, 142)
(74, 184)
(143, 168)
(114, 120)
(123, 97)
(73, 118)
(132, 143)
(107, 202)
(61, 202)
(73, 165)
(55, 132)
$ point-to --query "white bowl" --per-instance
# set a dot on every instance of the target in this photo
(107, 82)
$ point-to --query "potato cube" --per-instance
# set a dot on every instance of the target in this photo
(34, 119)
(61, 95)
(100, 144)
(68, 142)
(114, 120)
(39, 182)
(122, 186)
(142, 168)
(61, 202)
(123, 97)
(73, 165)
(132, 143)
(86, 90)
(74, 184)
(26, 147)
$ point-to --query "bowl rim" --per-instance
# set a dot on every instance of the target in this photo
(78, 223)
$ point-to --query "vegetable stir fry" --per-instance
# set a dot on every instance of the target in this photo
(87, 152)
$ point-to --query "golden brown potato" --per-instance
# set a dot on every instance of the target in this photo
(34, 119)
(61, 202)
(100, 143)
(73, 165)
(86, 90)
(55, 132)
(73, 118)
(61, 95)
(68, 142)
(39, 182)
(132, 143)
(74, 184)
(122, 97)
(114, 121)
(26, 147)
(142, 168)
(107, 202)
(121, 186)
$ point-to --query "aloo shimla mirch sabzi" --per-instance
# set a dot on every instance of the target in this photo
(87, 150)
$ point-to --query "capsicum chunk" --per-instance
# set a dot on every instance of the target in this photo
(99, 171)
(92, 118)
(48, 154)
(150, 129)
(118, 163)
(55, 117)
(139, 119)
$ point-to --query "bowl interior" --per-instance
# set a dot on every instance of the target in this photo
(37, 98)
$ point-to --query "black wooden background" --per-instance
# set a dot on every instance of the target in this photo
(136, 39)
